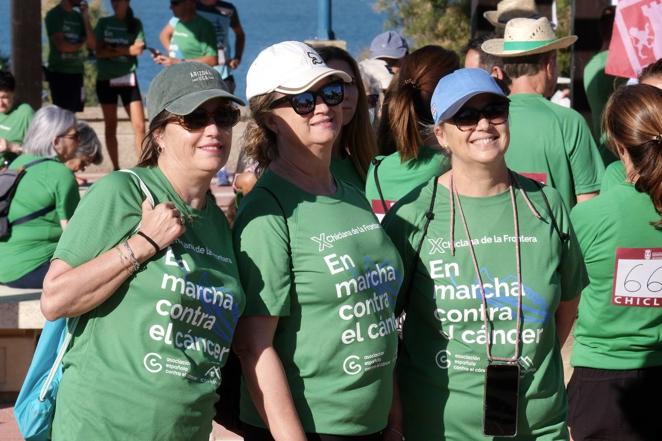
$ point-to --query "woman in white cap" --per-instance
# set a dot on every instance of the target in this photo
(317, 343)
(147, 266)
(617, 353)
(493, 273)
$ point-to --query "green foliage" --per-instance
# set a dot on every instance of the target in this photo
(564, 15)
(90, 76)
(442, 22)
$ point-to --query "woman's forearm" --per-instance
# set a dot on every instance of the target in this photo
(271, 395)
(70, 292)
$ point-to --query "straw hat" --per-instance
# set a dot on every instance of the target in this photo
(509, 9)
(527, 36)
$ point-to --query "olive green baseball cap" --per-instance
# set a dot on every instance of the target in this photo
(183, 87)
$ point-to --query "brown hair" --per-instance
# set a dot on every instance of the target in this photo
(527, 65)
(356, 138)
(259, 140)
(149, 148)
(407, 99)
(632, 121)
(652, 70)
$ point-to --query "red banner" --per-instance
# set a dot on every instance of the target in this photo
(637, 38)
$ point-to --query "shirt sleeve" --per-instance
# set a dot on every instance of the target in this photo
(261, 244)
(585, 160)
(53, 22)
(108, 213)
(141, 32)
(208, 40)
(66, 192)
(571, 269)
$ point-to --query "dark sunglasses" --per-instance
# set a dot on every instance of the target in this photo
(304, 103)
(176, 2)
(467, 118)
(225, 117)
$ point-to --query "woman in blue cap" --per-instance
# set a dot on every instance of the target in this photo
(493, 273)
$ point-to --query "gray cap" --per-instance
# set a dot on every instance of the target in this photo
(183, 87)
(389, 44)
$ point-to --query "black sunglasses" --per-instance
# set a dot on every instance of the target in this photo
(467, 118)
(224, 117)
(304, 103)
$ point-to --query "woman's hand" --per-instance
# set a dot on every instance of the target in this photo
(163, 223)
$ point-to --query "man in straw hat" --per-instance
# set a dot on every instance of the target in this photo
(509, 9)
(549, 143)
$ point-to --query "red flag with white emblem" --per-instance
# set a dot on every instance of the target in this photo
(636, 40)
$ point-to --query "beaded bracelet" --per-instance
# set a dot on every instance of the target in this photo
(132, 257)
(128, 267)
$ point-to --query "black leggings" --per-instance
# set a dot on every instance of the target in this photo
(33, 279)
(252, 433)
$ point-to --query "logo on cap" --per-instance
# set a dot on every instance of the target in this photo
(313, 56)
(201, 75)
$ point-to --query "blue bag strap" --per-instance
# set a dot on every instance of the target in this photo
(71, 328)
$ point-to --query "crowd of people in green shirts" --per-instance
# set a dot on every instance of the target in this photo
(414, 282)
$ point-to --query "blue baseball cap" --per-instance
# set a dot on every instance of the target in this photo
(455, 89)
(388, 44)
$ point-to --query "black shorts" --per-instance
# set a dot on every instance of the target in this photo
(252, 433)
(108, 94)
(610, 405)
(67, 90)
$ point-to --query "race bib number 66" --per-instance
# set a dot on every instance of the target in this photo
(638, 277)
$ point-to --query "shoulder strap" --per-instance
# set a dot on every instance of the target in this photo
(71, 328)
(563, 236)
(41, 211)
(377, 162)
(429, 215)
(143, 187)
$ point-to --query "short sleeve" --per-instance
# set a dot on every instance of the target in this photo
(66, 192)
(585, 160)
(261, 244)
(572, 269)
(173, 22)
(53, 22)
(141, 32)
(98, 30)
(208, 40)
(108, 213)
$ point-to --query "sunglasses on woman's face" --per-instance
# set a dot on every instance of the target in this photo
(304, 103)
(224, 117)
(467, 118)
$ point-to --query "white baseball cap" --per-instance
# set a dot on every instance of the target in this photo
(288, 67)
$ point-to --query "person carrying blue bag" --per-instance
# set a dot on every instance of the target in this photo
(156, 286)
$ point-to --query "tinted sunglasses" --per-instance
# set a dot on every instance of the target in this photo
(224, 117)
(467, 118)
(304, 103)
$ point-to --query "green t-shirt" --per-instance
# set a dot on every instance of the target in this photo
(398, 178)
(553, 144)
(14, 124)
(614, 176)
(441, 367)
(326, 268)
(146, 363)
(32, 243)
(114, 33)
(343, 169)
(70, 25)
(193, 39)
(618, 325)
(599, 87)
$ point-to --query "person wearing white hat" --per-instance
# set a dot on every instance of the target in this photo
(492, 282)
(549, 143)
(318, 340)
(508, 9)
